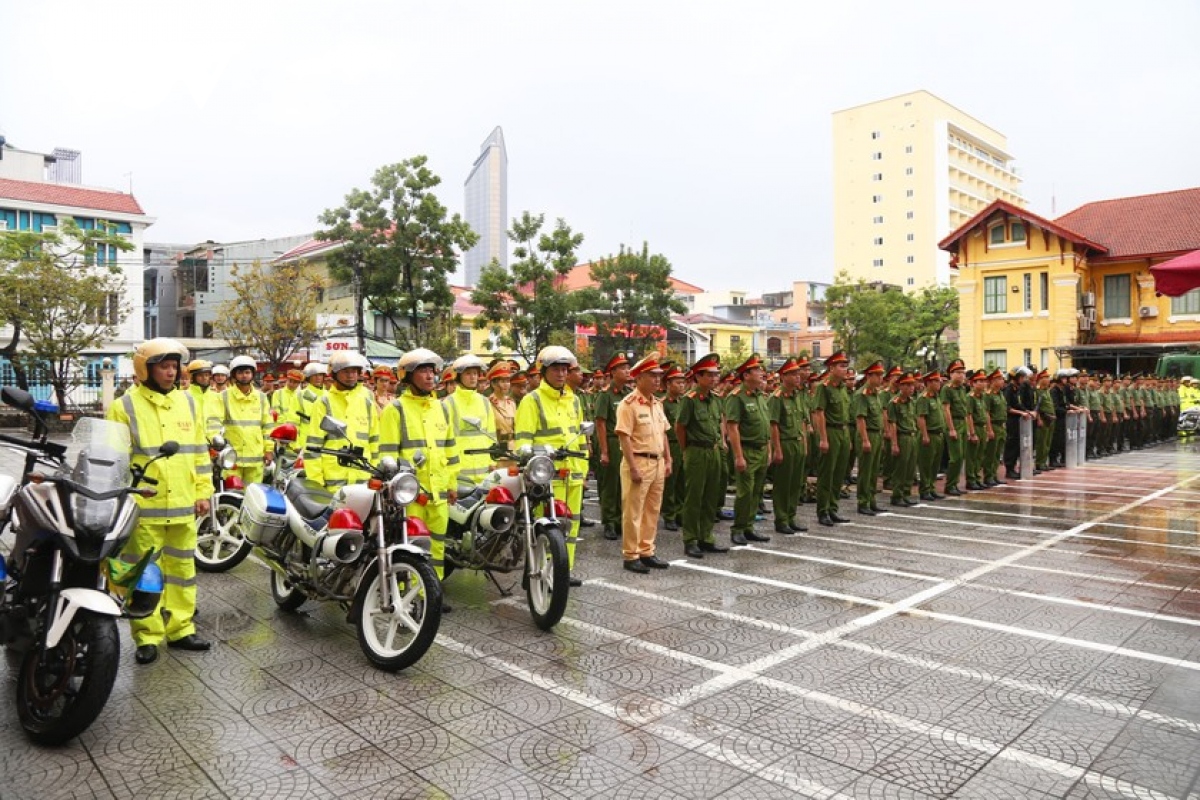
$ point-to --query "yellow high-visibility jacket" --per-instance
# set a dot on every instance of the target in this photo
(246, 418)
(472, 467)
(414, 423)
(356, 408)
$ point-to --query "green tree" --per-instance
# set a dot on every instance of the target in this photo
(525, 304)
(632, 301)
(877, 322)
(399, 247)
(935, 312)
(62, 291)
(271, 310)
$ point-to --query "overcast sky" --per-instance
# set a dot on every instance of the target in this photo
(702, 127)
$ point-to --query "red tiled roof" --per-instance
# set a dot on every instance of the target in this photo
(62, 195)
(580, 277)
(950, 243)
(1151, 224)
(303, 249)
(462, 302)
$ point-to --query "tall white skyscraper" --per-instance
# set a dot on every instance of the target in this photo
(487, 207)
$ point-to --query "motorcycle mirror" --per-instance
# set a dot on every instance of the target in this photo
(218, 442)
(418, 458)
(587, 428)
(168, 449)
(388, 467)
(334, 427)
(17, 398)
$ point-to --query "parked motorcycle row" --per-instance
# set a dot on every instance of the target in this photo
(62, 585)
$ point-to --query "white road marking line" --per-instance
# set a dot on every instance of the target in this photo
(969, 510)
(1068, 601)
(652, 724)
(1092, 704)
(1056, 536)
(1047, 570)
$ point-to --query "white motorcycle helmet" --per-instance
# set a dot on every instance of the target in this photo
(467, 362)
(313, 369)
(241, 362)
(555, 355)
(347, 359)
(420, 357)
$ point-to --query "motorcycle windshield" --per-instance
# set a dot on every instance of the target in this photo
(98, 458)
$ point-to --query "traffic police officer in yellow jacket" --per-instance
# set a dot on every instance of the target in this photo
(314, 387)
(285, 402)
(350, 402)
(245, 416)
(208, 402)
(467, 403)
(416, 420)
(156, 411)
(552, 414)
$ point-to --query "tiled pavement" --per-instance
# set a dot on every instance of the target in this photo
(1035, 640)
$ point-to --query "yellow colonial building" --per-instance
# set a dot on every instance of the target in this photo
(1077, 290)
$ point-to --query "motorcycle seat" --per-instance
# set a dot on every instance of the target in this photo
(468, 495)
(310, 500)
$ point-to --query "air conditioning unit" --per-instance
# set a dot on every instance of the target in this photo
(1089, 299)
(1090, 313)
(1148, 311)
(1085, 324)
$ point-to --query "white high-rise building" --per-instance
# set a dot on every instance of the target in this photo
(487, 207)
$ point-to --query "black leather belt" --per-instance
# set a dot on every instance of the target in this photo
(753, 445)
(654, 456)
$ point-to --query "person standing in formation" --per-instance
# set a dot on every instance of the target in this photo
(698, 429)
(788, 408)
(748, 429)
(646, 463)
(608, 480)
(831, 416)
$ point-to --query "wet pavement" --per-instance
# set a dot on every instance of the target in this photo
(1034, 640)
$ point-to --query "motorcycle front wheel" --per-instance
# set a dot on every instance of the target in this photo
(58, 700)
(396, 637)
(222, 547)
(549, 577)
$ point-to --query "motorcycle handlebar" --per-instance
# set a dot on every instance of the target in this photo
(49, 448)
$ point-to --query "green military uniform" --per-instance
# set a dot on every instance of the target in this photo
(834, 402)
(997, 411)
(903, 415)
(675, 487)
(868, 406)
(789, 413)
(704, 482)
(749, 411)
(609, 478)
(1045, 431)
(956, 399)
(929, 454)
(978, 412)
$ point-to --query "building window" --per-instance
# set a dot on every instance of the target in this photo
(909, 193)
(878, 176)
(996, 234)
(1045, 364)
(995, 359)
(908, 171)
(877, 262)
(878, 241)
(876, 134)
(1045, 282)
(1017, 232)
(908, 148)
(911, 259)
(876, 198)
(878, 220)
(207, 330)
(735, 342)
(1116, 297)
(995, 294)
(1027, 357)
(1186, 303)
(912, 281)
(909, 215)
(816, 350)
(877, 156)
(1028, 299)
(464, 340)
(911, 236)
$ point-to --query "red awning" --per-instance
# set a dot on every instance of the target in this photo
(1178, 276)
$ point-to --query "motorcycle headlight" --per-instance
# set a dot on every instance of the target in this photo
(540, 469)
(228, 458)
(404, 488)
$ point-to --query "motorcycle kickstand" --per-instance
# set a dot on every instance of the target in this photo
(503, 592)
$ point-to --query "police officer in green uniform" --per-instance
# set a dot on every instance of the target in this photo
(698, 429)
(931, 423)
(1046, 421)
(979, 430)
(868, 413)
(831, 416)
(609, 483)
(789, 428)
(954, 408)
(997, 412)
(903, 417)
(673, 490)
(748, 430)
